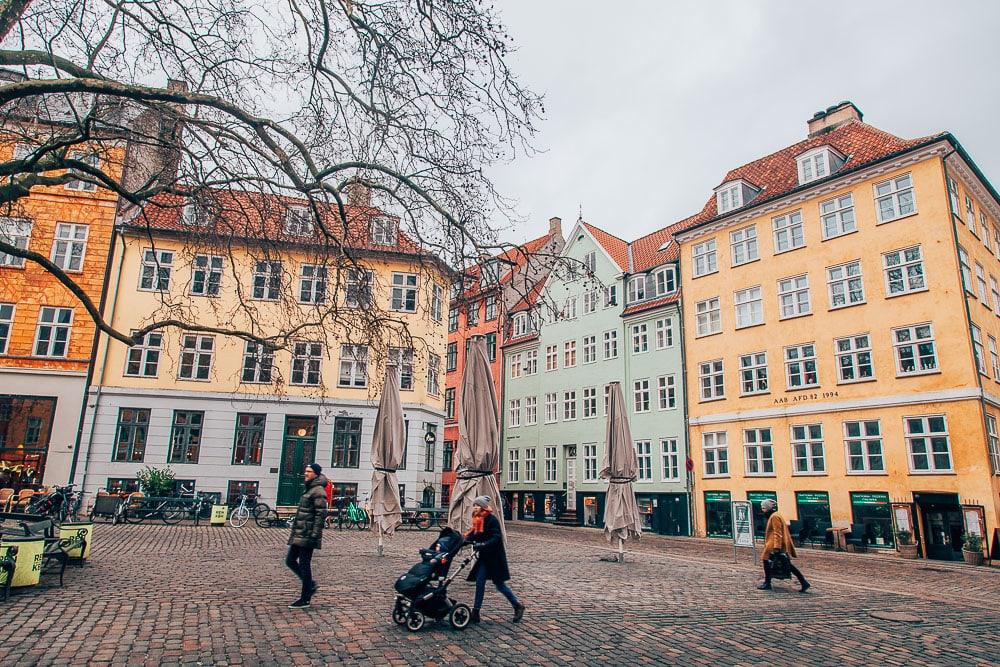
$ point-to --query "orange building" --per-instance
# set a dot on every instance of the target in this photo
(480, 304)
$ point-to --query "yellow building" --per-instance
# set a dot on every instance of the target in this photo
(831, 348)
(231, 415)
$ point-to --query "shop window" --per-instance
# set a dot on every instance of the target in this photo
(759, 519)
(238, 488)
(872, 510)
(813, 508)
(718, 514)
(122, 485)
(346, 442)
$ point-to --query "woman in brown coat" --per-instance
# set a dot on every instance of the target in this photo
(778, 538)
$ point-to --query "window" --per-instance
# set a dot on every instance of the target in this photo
(569, 353)
(589, 349)
(845, 286)
(404, 292)
(749, 307)
(637, 289)
(248, 443)
(32, 431)
(800, 366)
(472, 314)
(963, 260)
(531, 362)
(793, 296)
(513, 466)
(451, 356)
(664, 281)
(6, 320)
(403, 358)
(894, 198)
(491, 346)
(194, 215)
(993, 441)
(358, 290)
(515, 413)
(52, 335)
(970, 215)
(904, 271)
(729, 197)
(522, 324)
(644, 457)
(551, 408)
(453, 321)
(589, 301)
(666, 386)
(640, 390)
(711, 380)
(569, 405)
(383, 231)
(133, 428)
(530, 410)
(837, 216)
(589, 402)
(977, 349)
(807, 449)
(197, 354)
(671, 458)
(590, 261)
(491, 307)
(590, 462)
(119, 485)
(569, 308)
(664, 333)
(551, 357)
(267, 280)
(550, 464)
(813, 165)
(89, 158)
(854, 358)
(914, 346)
(529, 464)
(759, 451)
(981, 284)
(640, 341)
(715, 448)
(927, 443)
(610, 344)
(206, 275)
(312, 284)
(433, 374)
(789, 233)
(986, 230)
(994, 358)
(69, 246)
(863, 440)
(753, 373)
(995, 292)
(705, 261)
(708, 316)
(610, 296)
(515, 366)
(489, 273)
(298, 221)
(952, 194)
(237, 488)
(16, 232)
(996, 241)
(157, 266)
(743, 243)
(185, 436)
(143, 358)
(346, 442)
(306, 360)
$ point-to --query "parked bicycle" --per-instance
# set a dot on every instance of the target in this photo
(271, 519)
(170, 511)
(246, 509)
(351, 514)
(200, 506)
(422, 519)
(60, 504)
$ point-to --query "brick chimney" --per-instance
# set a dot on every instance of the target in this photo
(358, 194)
(833, 117)
(555, 226)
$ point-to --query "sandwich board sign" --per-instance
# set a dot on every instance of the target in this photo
(743, 526)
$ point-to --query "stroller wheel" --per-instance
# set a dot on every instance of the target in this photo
(415, 621)
(399, 614)
(460, 616)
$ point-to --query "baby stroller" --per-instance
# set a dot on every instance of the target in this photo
(422, 592)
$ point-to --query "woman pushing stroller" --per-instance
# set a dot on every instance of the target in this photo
(487, 538)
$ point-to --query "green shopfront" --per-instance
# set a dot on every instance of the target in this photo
(719, 514)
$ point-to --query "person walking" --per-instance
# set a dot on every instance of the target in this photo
(487, 537)
(307, 532)
(778, 538)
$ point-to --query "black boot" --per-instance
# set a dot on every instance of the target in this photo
(518, 612)
(805, 585)
(474, 616)
(766, 586)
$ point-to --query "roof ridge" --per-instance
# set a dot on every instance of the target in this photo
(591, 226)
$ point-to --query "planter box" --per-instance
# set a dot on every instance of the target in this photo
(908, 551)
(972, 557)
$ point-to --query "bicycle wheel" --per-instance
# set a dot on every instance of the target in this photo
(260, 508)
(265, 519)
(363, 521)
(239, 517)
(135, 514)
(172, 514)
(423, 520)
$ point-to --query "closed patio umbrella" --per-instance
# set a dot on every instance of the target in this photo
(478, 441)
(387, 454)
(621, 512)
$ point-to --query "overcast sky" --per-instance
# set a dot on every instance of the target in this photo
(648, 104)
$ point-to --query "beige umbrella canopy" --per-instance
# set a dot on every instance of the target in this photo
(621, 512)
(478, 452)
(387, 454)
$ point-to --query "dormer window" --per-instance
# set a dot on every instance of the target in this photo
(383, 231)
(818, 163)
(734, 194)
(637, 289)
(522, 324)
(489, 273)
(653, 285)
(298, 221)
(193, 215)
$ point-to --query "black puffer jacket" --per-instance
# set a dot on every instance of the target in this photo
(492, 554)
(310, 517)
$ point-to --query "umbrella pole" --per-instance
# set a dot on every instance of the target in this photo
(380, 547)
(621, 550)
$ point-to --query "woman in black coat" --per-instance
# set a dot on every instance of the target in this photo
(492, 564)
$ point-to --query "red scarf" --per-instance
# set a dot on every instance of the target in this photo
(479, 521)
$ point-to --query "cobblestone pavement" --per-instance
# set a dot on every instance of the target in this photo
(200, 595)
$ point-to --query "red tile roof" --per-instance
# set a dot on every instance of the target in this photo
(529, 299)
(511, 259)
(652, 303)
(614, 246)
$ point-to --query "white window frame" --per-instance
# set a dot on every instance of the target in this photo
(995, 293)
(529, 465)
(798, 365)
(157, 269)
(589, 301)
(641, 400)
(569, 405)
(58, 332)
(970, 215)
(911, 271)
(404, 287)
(144, 356)
(514, 418)
(994, 357)
(7, 312)
(259, 360)
(590, 261)
(843, 284)
(865, 438)
(644, 461)
(307, 359)
(813, 165)
(806, 440)
(353, 367)
(749, 306)
(993, 443)
(637, 288)
(611, 344)
(670, 459)
(664, 333)
(69, 247)
(433, 374)
(789, 232)
(88, 157)
(551, 408)
(516, 367)
(569, 354)
(531, 362)
(666, 391)
(589, 349)
(437, 302)
(312, 284)
(551, 358)
(914, 339)
(753, 372)
(384, 231)
(590, 462)
(743, 245)
(530, 410)
(836, 216)
(358, 288)
(893, 191)
(195, 350)
(551, 465)
(965, 270)
(912, 455)
(513, 466)
(715, 450)
(267, 280)
(978, 350)
(16, 232)
(758, 452)
(640, 338)
(589, 402)
(729, 197)
(704, 258)
(851, 353)
(708, 317)
(981, 285)
(298, 221)
(790, 293)
(210, 268)
(711, 380)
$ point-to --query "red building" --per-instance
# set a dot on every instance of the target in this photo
(480, 304)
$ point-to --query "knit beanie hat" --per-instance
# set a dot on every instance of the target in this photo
(316, 468)
(482, 501)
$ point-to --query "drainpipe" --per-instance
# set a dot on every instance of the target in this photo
(688, 475)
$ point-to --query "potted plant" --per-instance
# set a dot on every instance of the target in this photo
(156, 482)
(904, 542)
(972, 550)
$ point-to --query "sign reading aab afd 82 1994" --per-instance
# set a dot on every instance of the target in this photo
(742, 524)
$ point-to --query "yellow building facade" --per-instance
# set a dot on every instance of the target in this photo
(831, 347)
(230, 416)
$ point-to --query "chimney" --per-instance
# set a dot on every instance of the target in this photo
(833, 117)
(555, 227)
(358, 194)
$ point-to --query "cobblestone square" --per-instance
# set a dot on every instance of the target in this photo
(217, 596)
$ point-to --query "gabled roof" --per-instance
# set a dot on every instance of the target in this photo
(529, 299)
(511, 260)
(614, 246)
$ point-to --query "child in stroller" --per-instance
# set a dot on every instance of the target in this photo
(422, 592)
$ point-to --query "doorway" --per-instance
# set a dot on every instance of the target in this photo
(673, 514)
(941, 514)
(297, 450)
(570, 456)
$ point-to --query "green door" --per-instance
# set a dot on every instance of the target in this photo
(297, 451)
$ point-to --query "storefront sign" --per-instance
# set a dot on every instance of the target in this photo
(813, 498)
(902, 515)
(870, 498)
(742, 524)
(761, 496)
(717, 496)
